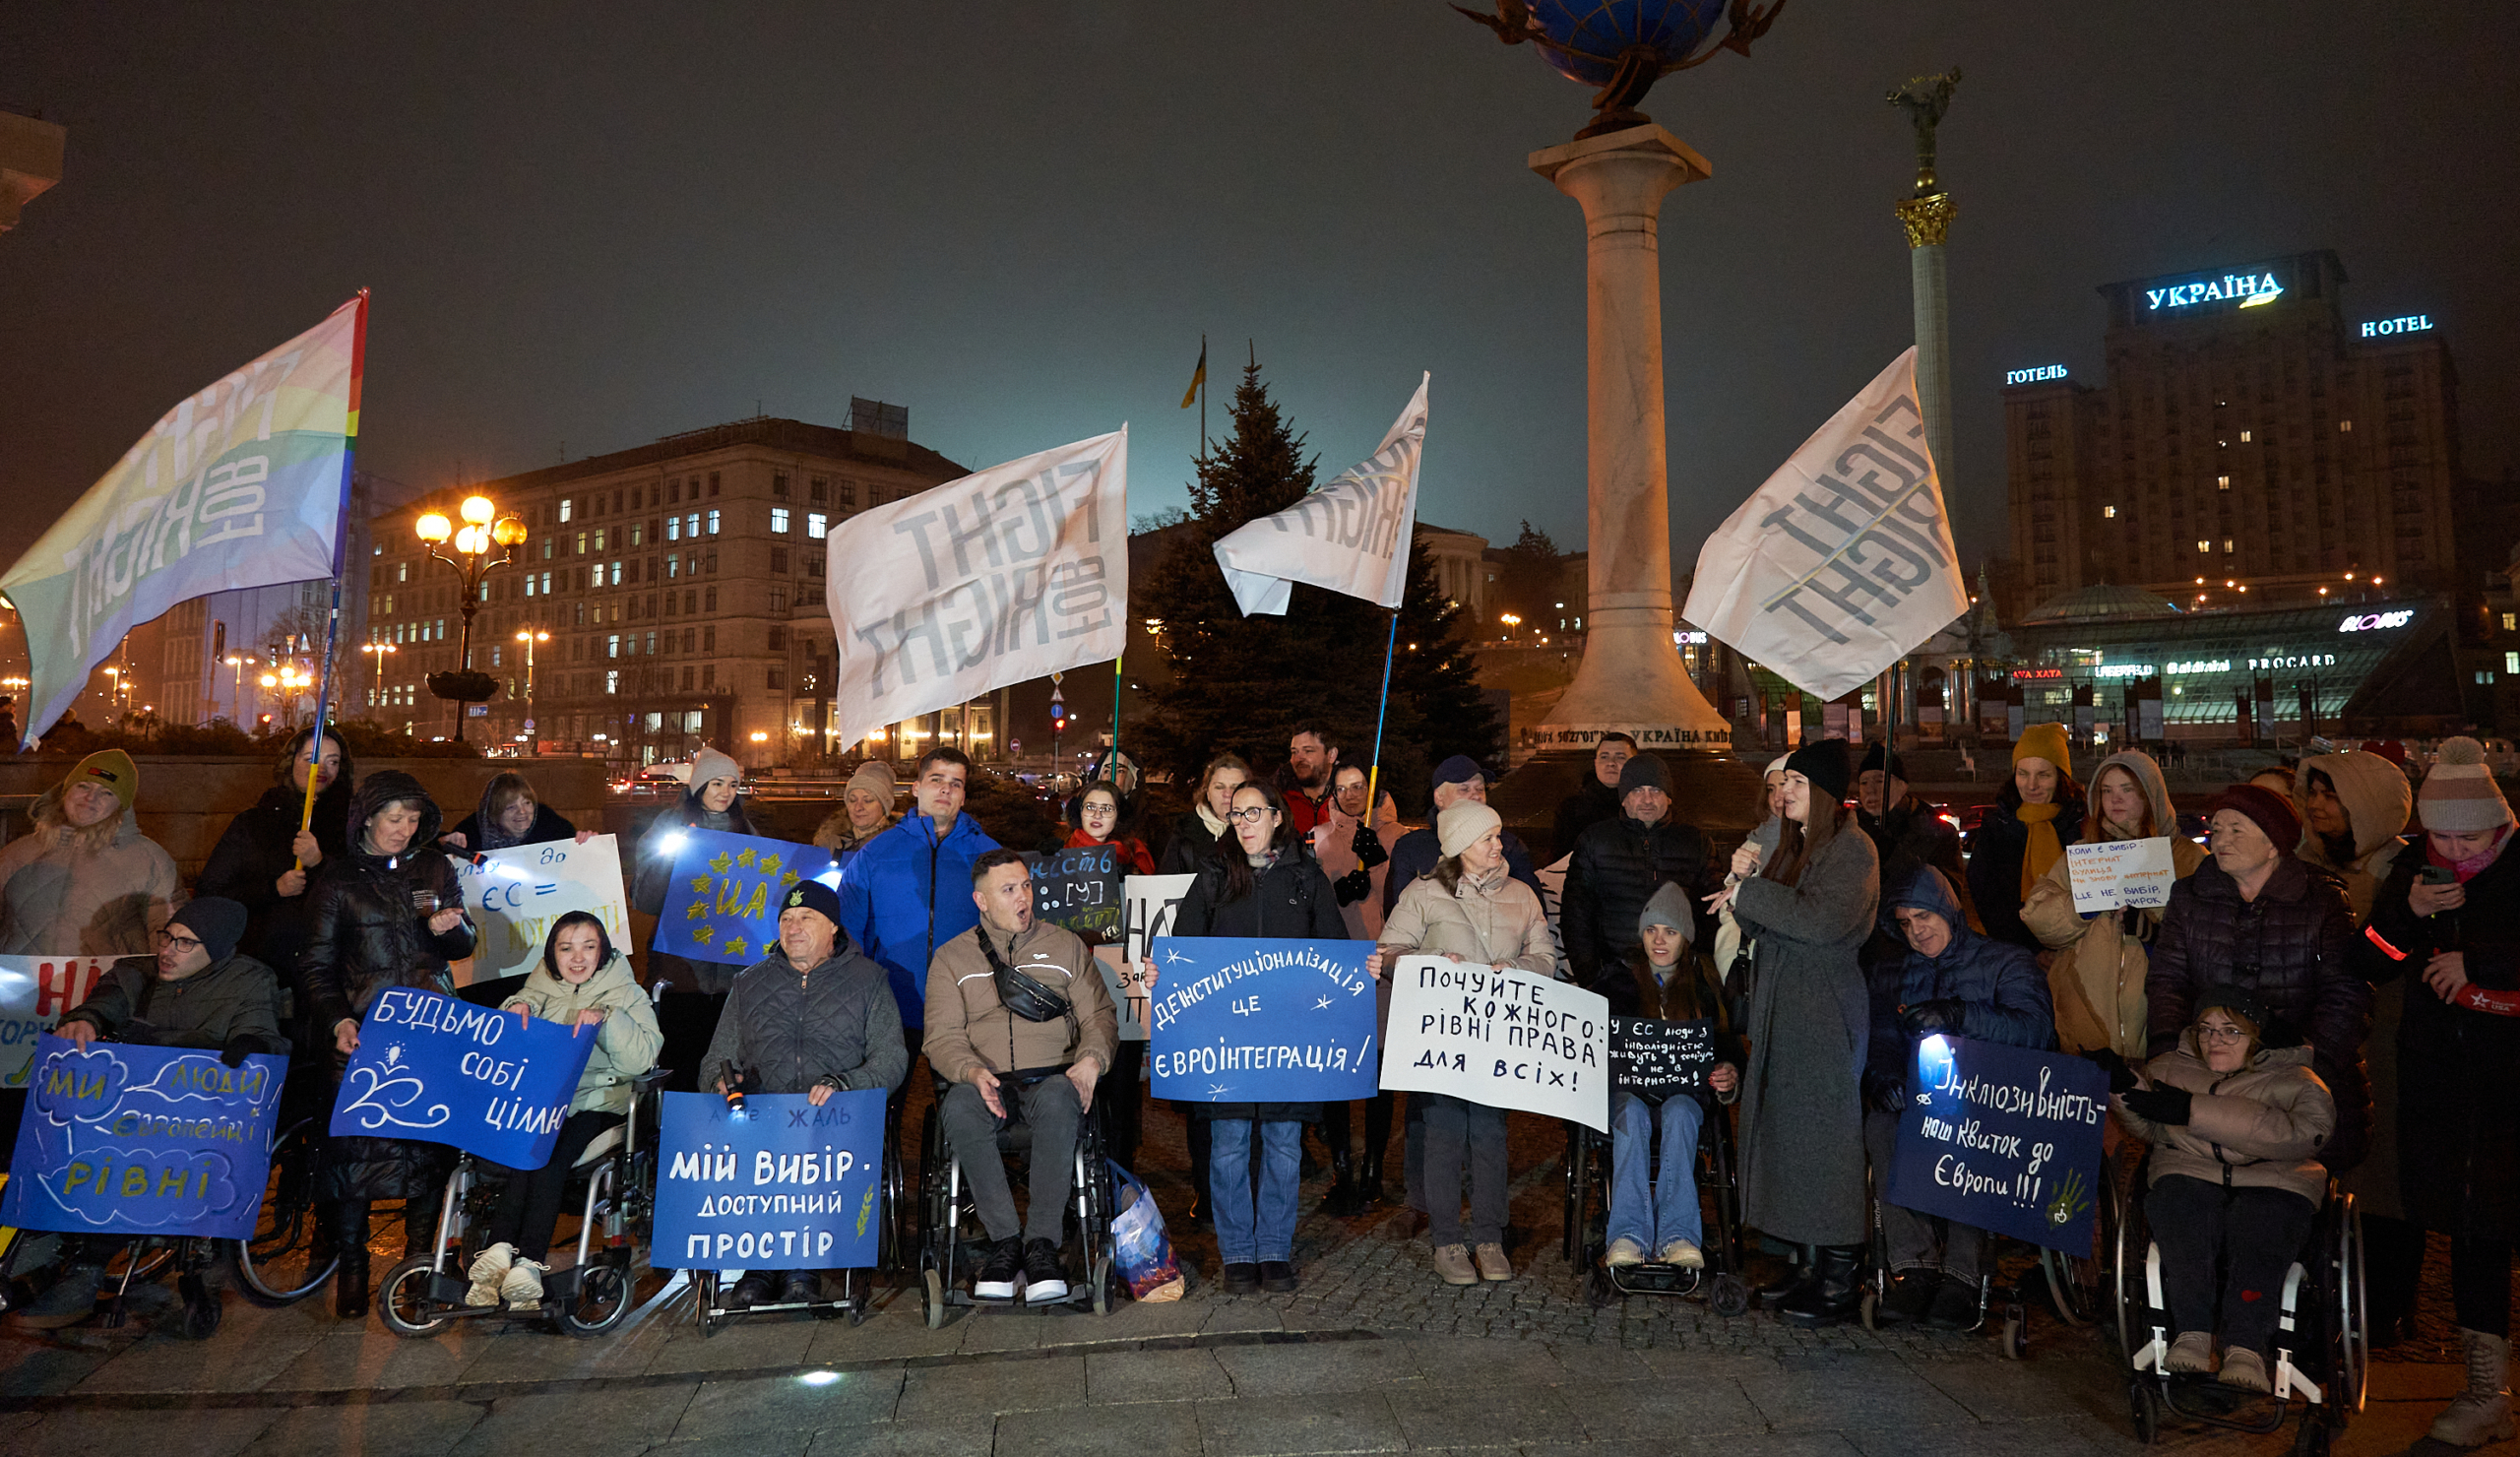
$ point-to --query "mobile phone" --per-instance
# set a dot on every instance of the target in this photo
(2440, 875)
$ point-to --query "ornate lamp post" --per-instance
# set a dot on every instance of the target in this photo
(530, 637)
(483, 530)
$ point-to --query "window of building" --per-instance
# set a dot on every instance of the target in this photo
(775, 679)
(778, 639)
(817, 525)
(673, 567)
(2107, 511)
(848, 493)
(612, 644)
(582, 544)
(495, 649)
(691, 524)
(566, 504)
(713, 523)
(688, 636)
(2246, 436)
(612, 680)
(688, 672)
(813, 566)
(638, 534)
(709, 676)
(779, 484)
(652, 644)
(548, 545)
(2222, 482)
(779, 559)
(2511, 663)
(712, 483)
(2511, 622)
(402, 571)
(779, 519)
(818, 489)
(2204, 546)
(598, 538)
(712, 562)
(2484, 675)
(2227, 544)
(708, 640)
(673, 491)
(2345, 427)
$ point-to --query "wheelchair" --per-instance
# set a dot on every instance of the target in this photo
(951, 1236)
(2322, 1350)
(288, 1258)
(424, 1293)
(1587, 1219)
(855, 1299)
(31, 1259)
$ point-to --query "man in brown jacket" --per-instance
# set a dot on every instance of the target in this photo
(1035, 1060)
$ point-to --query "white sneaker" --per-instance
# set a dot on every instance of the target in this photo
(1684, 1255)
(490, 1268)
(1623, 1252)
(522, 1288)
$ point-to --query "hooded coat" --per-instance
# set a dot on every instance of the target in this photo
(1808, 1027)
(2379, 803)
(1994, 863)
(62, 893)
(908, 893)
(258, 848)
(365, 935)
(2294, 947)
(626, 1042)
(2096, 982)
(2003, 992)
(2262, 1127)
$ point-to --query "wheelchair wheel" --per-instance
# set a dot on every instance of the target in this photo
(279, 1266)
(1730, 1296)
(932, 1297)
(2016, 1335)
(704, 1293)
(403, 1298)
(2352, 1316)
(2144, 1404)
(2134, 1236)
(1599, 1292)
(1107, 1279)
(2313, 1437)
(603, 1298)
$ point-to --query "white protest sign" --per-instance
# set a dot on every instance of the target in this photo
(1350, 536)
(1553, 897)
(2120, 872)
(34, 991)
(1147, 906)
(515, 894)
(1493, 1035)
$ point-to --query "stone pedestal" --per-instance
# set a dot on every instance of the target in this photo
(1631, 679)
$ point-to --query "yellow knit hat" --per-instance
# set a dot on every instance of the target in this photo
(2046, 742)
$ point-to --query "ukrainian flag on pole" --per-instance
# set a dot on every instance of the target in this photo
(239, 486)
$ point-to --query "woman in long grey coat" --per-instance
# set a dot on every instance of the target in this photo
(1806, 910)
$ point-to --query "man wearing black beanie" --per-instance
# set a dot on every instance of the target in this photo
(1619, 862)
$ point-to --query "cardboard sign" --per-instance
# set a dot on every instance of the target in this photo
(1249, 1020)
(783, 1185)
(131, 1140)
(438, 1070)
(1149, 904)
(1501, 1036)
(1654, 1059)
(1078, 888)
(2004, 1139)
(722, 902)
(2120, 872)
(515, 894)
(1126, 983)
(34, 992)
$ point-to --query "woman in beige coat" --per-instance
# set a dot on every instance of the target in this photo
(2096, 963)
(1469, 909)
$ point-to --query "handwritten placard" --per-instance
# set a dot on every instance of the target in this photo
(780, 1186)
(2117, 873)
(439, 1070)
(34, 992)
(1501, 1036)
(1078, 888)
(1654, 1059)
(515, 894)
(722, 902)
(1248, 1021)
(2003, 1138)
(1147, 906)
(139, 1140)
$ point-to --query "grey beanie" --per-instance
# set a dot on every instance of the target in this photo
(1667, 906)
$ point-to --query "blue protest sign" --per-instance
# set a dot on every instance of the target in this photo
(1244, 1021)
(129, 1140)
(438, 1070)
(780, 1186)
(2003, 1138)
(722, 902)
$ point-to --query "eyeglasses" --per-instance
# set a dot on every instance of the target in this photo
(2206, 1032)
(1252, 816)
(185, 944)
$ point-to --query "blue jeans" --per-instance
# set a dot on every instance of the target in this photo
(1651, 1212)
(1250, 1229)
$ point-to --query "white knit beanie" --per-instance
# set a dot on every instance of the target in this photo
(709, 764)
(2459, 795)
(1463, 824)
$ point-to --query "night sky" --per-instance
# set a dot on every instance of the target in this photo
(588, 226)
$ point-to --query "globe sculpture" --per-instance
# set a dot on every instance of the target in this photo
(1624, 47)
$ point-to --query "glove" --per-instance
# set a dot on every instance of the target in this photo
(1355, 886)
(239, 1047)
(1883, 1093)
(1942, 1014)
(2167, 1107)
(2121, 1078)
(1367, 846)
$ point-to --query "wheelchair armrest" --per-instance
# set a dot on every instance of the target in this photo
(650, 1081)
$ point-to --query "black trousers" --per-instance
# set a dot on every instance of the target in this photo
(2480, 1283)
(2393, 1265)
(2254, 1234)
(530, 1206)
(1123, 1090)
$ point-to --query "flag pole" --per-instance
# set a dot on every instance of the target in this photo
(341, 552)
(1116, 660)
(1373, 774)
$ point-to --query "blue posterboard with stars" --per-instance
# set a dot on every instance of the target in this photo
(1249, 1021)
(132, 1140)
(722, 902)
(2004, 1139)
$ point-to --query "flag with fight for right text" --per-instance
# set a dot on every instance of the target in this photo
(1842, 563)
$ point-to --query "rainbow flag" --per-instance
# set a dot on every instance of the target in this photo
(241, 484)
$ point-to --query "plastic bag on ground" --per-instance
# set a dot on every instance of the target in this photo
(1139, 1247)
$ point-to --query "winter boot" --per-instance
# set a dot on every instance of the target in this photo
(350, 1277)
(1835, 1292)
(522, 1284)
(1369, 1190)
(200, 1318)
(489, 1270)
(70, 1300)
(1789, 1280)
(2481, 1414)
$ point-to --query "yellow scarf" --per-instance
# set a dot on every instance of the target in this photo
(2042, 848)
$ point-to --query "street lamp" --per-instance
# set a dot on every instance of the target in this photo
(483, 528)
(530, 637)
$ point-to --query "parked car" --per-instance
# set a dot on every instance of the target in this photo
(1966, 823)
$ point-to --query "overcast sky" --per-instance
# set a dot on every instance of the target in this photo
(588, 226)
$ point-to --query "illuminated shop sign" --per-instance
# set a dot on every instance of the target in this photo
(1685, 638)
(2124, 670)
(2201, 665)
(2251, 290)
(2306, 660)
(2407, 323)
(2036, 675)
(2057, 371)
(2375, 621)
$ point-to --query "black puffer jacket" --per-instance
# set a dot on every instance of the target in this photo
(1995, 864)
(1616, 867)
(2458, 1112)
(1190, 844)
(2294, 947)
(1587, 806)
(365, 935)
(253, 854)
(1290, 900)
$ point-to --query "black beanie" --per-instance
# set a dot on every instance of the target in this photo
(1826, 765)
(814, 896)
(1880, 756)
(1644, 772)
(216, 921)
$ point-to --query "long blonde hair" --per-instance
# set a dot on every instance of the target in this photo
(48, 814)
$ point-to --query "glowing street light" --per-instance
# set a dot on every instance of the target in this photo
(483, 530)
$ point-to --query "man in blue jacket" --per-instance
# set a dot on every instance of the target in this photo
(909, 892)
(1958, 984)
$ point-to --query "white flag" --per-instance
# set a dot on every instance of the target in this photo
(1017, 571)
(1350, 536)
(1843, 562)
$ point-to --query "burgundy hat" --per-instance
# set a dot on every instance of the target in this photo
(2274, 814)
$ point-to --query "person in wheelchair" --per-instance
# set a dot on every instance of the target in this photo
(1958, 984)
(1019, 1026)
(2236, 1120)
(1667, 981)
(197, 991)
(581, 983)
(816, 1017)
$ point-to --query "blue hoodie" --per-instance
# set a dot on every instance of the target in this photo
(908, 893)
(2004, 991)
